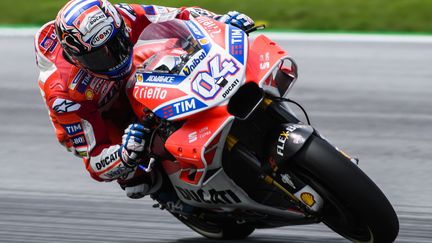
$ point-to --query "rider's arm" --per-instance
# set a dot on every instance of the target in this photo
(88, 136)
(140, 16)
(87, 133)
(47, 49)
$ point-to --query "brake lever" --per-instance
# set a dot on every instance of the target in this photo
(255, 28)
(149, 167)
(149, 121)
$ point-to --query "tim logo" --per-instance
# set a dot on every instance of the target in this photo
(179, 108)
(237, 43)
(73, 129)
(207, 84)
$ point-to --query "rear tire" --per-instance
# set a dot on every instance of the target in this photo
(354, 206)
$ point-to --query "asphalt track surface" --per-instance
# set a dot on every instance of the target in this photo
(372, 99)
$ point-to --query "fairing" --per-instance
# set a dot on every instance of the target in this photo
(206, 67)
(210, 67)
(266, 61)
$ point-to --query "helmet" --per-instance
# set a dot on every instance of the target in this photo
(94, 37)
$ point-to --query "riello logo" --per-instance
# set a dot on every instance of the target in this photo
(144, 92)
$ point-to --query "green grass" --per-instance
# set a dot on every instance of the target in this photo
(306, 15)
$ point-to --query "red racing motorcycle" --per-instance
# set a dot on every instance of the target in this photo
(233, 155)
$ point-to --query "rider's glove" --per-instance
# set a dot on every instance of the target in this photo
(133, 144)
(237, 19)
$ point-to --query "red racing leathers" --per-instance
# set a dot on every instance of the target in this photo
(89, 114)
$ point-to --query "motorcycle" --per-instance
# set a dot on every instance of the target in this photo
(233, 154)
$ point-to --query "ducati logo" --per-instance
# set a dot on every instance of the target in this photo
(209, 197)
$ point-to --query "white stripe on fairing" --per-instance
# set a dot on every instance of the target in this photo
(330, 37)
(76, 9)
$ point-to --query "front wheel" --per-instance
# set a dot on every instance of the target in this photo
(354, 206)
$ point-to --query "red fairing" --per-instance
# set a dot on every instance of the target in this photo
(152, 97)
(190, 143)
(156, 95)
(145, 97)
(214, 28)
(263, 55)
(191, 91)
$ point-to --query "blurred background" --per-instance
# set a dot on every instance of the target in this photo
(305, 15)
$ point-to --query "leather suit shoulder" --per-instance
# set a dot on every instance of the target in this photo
(64, 84)
(47, 45)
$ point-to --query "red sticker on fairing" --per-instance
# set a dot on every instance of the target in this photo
(153, 97)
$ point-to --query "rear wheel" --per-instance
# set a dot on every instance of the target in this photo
(354, 206)
(225, 231)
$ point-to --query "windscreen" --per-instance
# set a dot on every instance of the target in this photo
(165, 30)
(180, 38)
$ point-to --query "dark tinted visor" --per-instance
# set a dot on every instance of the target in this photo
(109, 57)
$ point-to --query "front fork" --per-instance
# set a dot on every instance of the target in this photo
(289, 138)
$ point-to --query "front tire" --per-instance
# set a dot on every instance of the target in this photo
(354, 206)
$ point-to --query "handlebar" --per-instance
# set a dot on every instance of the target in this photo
(255, 28)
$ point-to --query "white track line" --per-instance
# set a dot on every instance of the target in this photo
(280, 36)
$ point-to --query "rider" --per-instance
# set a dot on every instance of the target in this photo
(85, 58)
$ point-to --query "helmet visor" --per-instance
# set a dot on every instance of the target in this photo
(109, 57)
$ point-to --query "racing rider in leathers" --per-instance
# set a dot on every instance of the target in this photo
(85, 59)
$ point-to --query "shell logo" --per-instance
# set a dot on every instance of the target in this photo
(308, 198)
(139, 78)
(89, 94)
